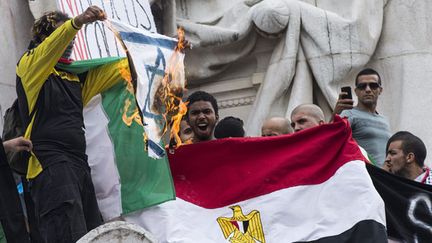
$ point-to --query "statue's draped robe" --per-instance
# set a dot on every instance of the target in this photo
(323, 44)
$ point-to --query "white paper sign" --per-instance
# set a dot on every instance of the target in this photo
(96, 40)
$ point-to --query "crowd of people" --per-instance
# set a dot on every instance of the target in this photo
(51, 103)
(402, 154)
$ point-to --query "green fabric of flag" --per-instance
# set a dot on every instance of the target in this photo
(144, 181)
(78, 67)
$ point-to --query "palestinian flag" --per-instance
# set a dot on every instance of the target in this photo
(311, 186)
(408, 206)
(126, 179)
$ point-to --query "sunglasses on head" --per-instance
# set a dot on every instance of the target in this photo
(363, 86)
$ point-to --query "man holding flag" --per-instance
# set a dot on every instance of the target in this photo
(51, 102)
(273, 189)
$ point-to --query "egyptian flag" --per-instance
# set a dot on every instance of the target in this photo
(408, 206)
(311, 186)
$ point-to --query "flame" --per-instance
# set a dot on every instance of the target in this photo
(181, 40)
(173, 87)
(176, 120)
(126, 75)
(170, 93)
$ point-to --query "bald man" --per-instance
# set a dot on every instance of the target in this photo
(306, 116)
(275, 126)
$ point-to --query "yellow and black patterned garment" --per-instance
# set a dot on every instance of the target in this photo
(58, 97)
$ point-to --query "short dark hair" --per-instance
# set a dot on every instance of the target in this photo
(229, 127)
(203, 96)
(368, 71)
(410, 144)
(45, 25)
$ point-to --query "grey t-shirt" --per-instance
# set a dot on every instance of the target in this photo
(371, 131)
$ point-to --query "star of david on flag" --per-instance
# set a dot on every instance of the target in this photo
(151, 53)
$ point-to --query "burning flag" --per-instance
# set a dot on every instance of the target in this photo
(126, 179)
(125, 125)
(158, 62)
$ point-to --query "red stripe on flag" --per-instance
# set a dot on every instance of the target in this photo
(223, 172)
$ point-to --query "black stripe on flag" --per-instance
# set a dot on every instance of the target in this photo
(408, 206)
(363, 231)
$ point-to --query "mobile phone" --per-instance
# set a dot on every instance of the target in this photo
(346, 89)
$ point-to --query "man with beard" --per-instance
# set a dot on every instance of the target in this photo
(370, 129)
(51, 102)
(405, 157)
(202, 115)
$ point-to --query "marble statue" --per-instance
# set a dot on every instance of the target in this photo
(292, 52)
(319, 42)
(319, 46)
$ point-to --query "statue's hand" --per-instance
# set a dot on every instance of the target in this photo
(270, 16)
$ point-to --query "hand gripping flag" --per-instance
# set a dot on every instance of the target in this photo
(311, 186)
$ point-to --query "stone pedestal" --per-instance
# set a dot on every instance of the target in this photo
(118, 232)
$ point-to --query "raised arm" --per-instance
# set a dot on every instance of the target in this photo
(38, 63)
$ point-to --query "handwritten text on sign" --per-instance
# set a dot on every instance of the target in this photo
(96, 40)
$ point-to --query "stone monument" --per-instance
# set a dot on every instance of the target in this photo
(118, 232)
(264, 57)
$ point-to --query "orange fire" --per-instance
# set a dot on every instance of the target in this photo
(126, 75)
(173, 88)
(169, 93)
(175, 127)
(176, 82)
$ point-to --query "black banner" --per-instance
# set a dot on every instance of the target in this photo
(408, 206)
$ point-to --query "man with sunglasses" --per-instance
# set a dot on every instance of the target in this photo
(370, 129)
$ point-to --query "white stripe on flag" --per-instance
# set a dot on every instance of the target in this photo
(301, 213)
(100, 151)
(151, 54)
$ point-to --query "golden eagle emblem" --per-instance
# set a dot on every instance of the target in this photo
(242, 228)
